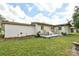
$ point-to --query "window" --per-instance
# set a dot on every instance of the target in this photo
(59, 28)
(42, 27)
(52, 27)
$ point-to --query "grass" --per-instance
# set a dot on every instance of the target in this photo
(59, 46)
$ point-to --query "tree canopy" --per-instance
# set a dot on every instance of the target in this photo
(1, 17)
(76, 17)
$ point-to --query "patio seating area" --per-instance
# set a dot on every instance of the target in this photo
(49, 34)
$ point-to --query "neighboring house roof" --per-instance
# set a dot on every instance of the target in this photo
(16, 23)
(41, 23)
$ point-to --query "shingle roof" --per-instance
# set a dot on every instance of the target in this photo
(32, 24)
(61, 24)
(42, 23)
(16, 23)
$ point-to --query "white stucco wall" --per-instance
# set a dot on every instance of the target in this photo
(15, 30)
(56, 30)
(37, 28)
(45, 28)
(64, 29)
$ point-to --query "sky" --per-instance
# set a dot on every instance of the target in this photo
(45, 11)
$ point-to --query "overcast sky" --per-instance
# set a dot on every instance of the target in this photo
(47, 11)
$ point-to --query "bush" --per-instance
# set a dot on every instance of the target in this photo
(63, 33)
(38, 34)
(0, 30)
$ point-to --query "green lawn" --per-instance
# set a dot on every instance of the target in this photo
(59, 46)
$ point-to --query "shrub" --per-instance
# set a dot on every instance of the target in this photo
(63, 33)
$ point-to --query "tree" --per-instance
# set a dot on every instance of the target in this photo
(76, 17)
(1, 17)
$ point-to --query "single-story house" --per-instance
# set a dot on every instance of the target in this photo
(14, 29)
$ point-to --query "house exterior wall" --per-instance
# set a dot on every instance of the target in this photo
(45, 28)
(64, 29)
(37, 28)
(18, 30)
(56, 30)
